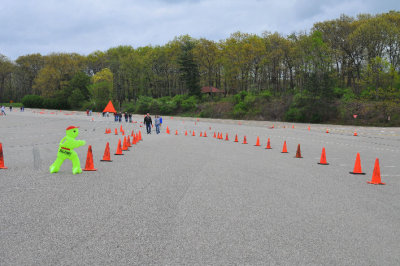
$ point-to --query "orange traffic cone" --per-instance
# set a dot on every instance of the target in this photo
(123, 132)
(298, 152)
(258, 141)
(124, 146)
(268, 145)
(89, 160)
(134, 140)
(120, 128)
(226, 137)
(323, 157)
(140, 135)
(132, 134)
(376, 175)
(355, 133)
(119, 148)
(215, 135)
(128, 142)
(106, 131)
(176, 132)
(309, 128)
(167, 131)
(292, 126)
(193, 134)
(201, 134)
(244, 140)
(2, 158)
(236, 138)
(205, 134)
(116, 132)
(284, 148)
(186, 133)
(357, 166)
(106, 156)
(327, 130)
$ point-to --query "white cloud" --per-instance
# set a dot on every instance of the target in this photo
(85, 26)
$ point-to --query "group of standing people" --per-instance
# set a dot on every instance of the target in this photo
(148, 122)
(127, 117)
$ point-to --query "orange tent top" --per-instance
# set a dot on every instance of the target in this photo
(109, 108)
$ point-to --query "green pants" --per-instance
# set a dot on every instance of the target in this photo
(66, 154)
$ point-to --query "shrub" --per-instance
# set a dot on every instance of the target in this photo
(167, 107)
(76, 99)
(178, 99)
(239, 97)
(266, 95)
(240, 110)
(189, 104)
(143, 104)
(32, 101)
(55, 103)
(129, 107)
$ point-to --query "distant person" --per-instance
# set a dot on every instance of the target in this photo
(148, 122)
(157, 123)
(90, 112)
(3, 110)
(120, 117)
(130, 117)
(160, 121)
(126, 117)
(10, 108)
(87, 112)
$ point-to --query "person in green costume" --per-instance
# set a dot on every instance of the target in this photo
(66, 151)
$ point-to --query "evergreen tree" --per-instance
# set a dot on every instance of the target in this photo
(188, 67)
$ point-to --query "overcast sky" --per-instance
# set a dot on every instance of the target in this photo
(84, 26)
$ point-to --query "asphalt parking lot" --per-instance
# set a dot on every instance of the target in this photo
(176, 199)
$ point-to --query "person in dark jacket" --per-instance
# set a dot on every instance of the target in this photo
(148, 122)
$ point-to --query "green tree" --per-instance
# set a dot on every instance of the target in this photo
(188, 67)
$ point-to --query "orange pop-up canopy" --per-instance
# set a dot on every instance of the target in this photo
(109, 108)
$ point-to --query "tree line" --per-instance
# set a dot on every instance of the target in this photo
(341, 63)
